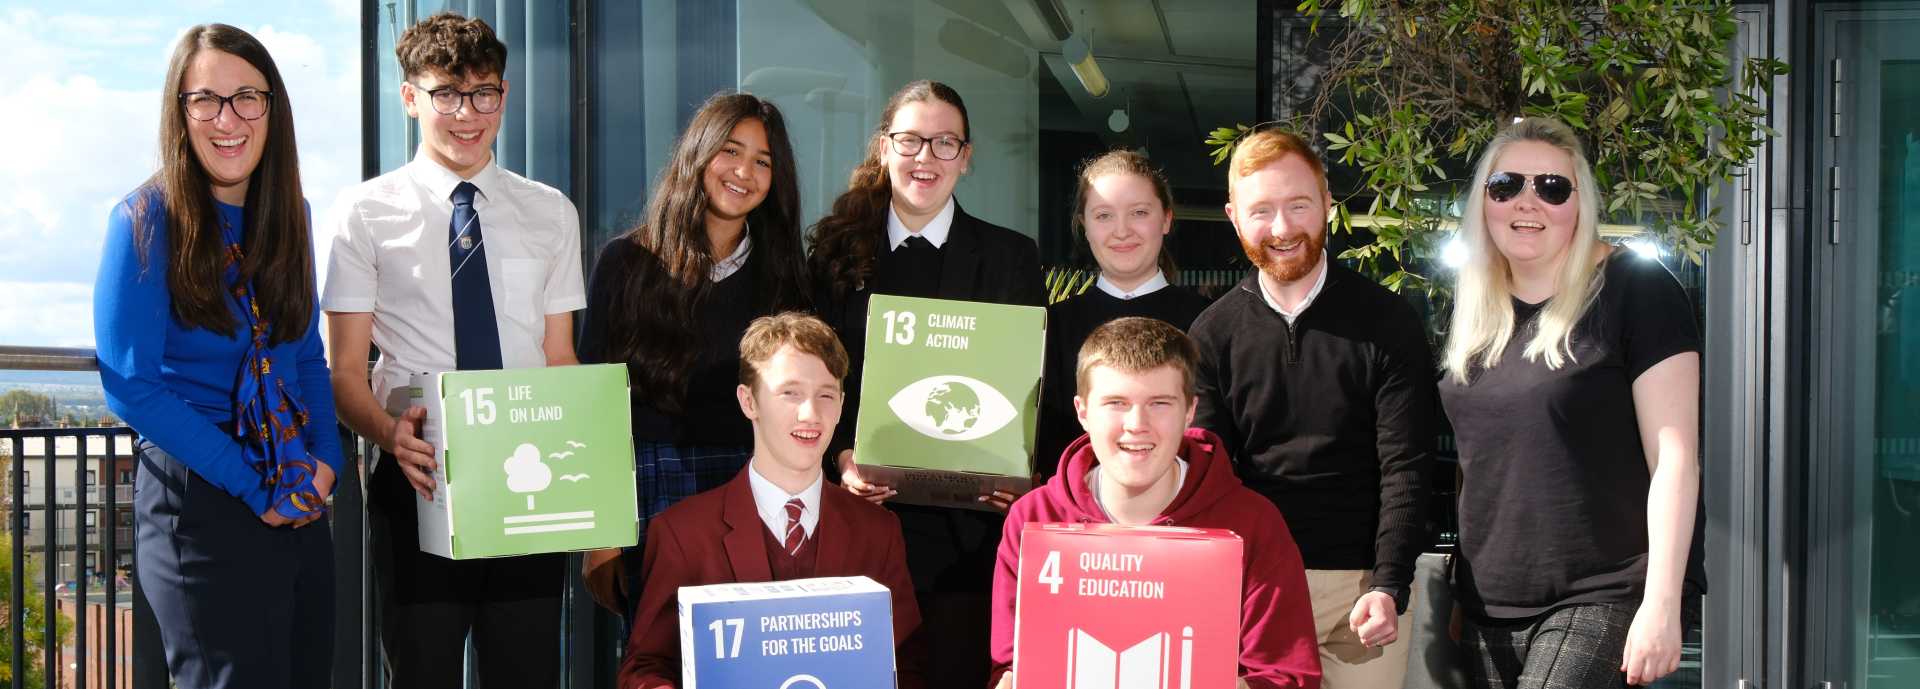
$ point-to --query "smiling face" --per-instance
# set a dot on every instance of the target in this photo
(738, 177)
(1280, 213)
(922, 183)
(1126, 225)
(227, 146)
(1526, 230)
(463, 141)
(794, 407)
(1135, 423)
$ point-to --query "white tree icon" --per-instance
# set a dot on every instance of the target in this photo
(526, 473)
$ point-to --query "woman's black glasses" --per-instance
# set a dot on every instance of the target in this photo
(1553, 189)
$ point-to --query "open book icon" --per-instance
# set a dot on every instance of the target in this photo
(1091, 664)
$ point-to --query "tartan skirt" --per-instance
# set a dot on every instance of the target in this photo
(666, 474)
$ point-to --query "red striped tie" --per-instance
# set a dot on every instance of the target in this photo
(796, 534)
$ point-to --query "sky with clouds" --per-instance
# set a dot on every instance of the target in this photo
(79, 116)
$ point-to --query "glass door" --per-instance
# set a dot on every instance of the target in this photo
(1864, 550)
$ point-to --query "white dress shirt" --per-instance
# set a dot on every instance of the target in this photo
(935, 232)
(390, 259)
(1318, 283)
(1153, 284)
(771, 502)
(726, 267)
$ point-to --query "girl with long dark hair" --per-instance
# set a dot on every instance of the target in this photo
(898, 230)
(719, 247)
(209, 347)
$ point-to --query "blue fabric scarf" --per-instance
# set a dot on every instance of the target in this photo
(269, 423)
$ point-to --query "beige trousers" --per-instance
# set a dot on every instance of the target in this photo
(1344, 663)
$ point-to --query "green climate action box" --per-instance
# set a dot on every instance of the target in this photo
(534, 460)
(948, 396)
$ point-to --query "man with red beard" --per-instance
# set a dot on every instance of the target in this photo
(1321, 384)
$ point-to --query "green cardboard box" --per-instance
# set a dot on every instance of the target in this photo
(535, 460)
(948, 397)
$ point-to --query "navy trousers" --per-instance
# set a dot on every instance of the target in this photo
(240, 604)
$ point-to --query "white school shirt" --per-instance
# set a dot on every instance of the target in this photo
(390, 259)
(1153, 284)
(726, 267)
(1318, 284)
(771, 502)
(935, 232)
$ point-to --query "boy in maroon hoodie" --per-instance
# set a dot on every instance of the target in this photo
(1140, 463)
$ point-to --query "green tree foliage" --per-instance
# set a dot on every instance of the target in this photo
(35, 623)
(1414, 87)
(25, 406)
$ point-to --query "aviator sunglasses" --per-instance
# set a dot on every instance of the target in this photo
(1553, 189)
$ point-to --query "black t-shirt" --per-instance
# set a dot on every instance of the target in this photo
(1553, 507)
(1069, 322)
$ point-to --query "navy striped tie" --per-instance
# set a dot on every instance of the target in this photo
(476, 337)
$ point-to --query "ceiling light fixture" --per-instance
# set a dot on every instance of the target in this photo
(1078, 53)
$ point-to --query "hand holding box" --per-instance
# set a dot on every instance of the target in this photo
(948, 393)
(530, 461)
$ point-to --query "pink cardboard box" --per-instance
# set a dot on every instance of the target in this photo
(1102, 606)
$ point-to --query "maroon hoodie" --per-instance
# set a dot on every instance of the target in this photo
(1277, 647)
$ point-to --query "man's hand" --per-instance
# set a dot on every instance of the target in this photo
(875, 493)
(1006, 680)
(1374, 620)
(1653, 643)
(604, 572)
(415, 456)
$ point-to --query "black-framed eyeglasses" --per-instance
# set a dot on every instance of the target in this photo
(446, 100)
(206, 106)
(945, 146)
(1553, 189)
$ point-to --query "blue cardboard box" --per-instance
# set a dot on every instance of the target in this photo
(829, 633)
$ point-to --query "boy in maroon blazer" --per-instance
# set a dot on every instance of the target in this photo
(774, 521)
(1141, 463)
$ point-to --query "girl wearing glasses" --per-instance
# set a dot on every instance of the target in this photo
(1123, 210)
(719, 247)
(1571, 376)
(210, 348)
(898, 230)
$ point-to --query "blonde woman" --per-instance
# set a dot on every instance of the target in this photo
(1571, 376)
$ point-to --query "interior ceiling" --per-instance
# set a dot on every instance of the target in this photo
(1179, 67)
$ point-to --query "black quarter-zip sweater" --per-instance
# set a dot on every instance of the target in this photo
(1331, 418)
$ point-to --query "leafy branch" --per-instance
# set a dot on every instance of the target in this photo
(1408, 90)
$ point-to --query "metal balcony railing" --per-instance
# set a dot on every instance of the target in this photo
(54, 533)
(60, 540)
(67, 496)
(589, 639)
(35, 535)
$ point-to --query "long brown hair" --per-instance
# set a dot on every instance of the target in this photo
(277, 241)
(1121, 162)
(850, 237)
(653, 329)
